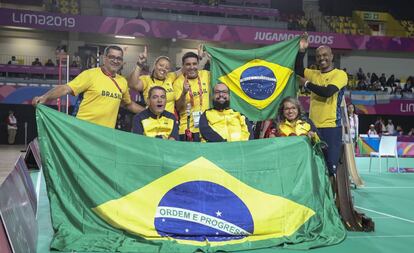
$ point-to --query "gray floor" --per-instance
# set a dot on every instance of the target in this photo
(8, 157)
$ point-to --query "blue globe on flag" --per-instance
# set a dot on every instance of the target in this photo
(258, 82)
(200, 211)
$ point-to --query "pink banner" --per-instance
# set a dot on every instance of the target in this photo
(394, 107)
(193, 31)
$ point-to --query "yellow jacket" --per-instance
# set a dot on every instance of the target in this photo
(226, 125)
(297, 128)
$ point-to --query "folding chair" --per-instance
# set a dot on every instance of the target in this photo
(387, 148)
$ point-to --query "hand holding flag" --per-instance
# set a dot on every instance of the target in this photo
(258, 78)
(303, 43)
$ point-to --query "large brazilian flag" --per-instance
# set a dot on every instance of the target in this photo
(113, 191)
(258, 79)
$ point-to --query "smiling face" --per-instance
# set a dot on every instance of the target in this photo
(161, 69)
(113, 61)
(157, 100)
(190, 67)
(221, 99)
(290, 111)
(324, 58)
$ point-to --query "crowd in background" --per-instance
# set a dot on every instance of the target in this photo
(372, 81)
(298, 23)
(380, 128)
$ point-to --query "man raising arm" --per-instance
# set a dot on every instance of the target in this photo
(100, 91)
(327, 86)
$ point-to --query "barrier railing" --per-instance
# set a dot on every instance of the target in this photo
(185, 6)
(39, 70)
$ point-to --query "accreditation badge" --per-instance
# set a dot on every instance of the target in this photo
(196, 118)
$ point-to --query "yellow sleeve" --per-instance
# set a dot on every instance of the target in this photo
(245, 129)
(340, 79)
(307, 73)
(82, 82)
(126, 97)
(144, 80)
(178, 87)
(172, 76)
(208, 80)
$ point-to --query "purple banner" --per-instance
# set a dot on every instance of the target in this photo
(394, 107)
(194, 31)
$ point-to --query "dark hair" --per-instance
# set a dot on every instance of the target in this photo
(162, 57)
(353, 106)
(280, 117)
(189, 55)
(113, 47)
(155, 88)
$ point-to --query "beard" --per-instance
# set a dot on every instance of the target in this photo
(221, 106)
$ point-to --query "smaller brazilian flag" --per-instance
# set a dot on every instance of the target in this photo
(258, 79)
(112, 191)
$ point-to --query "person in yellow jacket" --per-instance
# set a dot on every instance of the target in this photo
(290, 121)
(155, 121)
(220, 123)
(161, 75)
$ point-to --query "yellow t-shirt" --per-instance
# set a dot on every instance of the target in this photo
(204, 77)
(167, 84)
(325, 112)
(99, 97)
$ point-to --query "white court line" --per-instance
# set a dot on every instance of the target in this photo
(388, 187)
(380, 217)
(39, 179)
(385, 214)
(381, 236)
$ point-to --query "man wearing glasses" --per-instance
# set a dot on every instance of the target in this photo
(221, 124)
(100, 91)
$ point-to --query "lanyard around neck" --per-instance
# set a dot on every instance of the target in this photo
(200, 92)
(113, 80)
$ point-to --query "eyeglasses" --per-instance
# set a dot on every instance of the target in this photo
(221, 92)
(113, 58)
(290, 108)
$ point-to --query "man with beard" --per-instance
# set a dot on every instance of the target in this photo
(155, 121)
(100, 91)
(221, 123)
(192, 90)
(327, 85)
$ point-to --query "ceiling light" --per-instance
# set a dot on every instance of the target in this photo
(124, 37)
